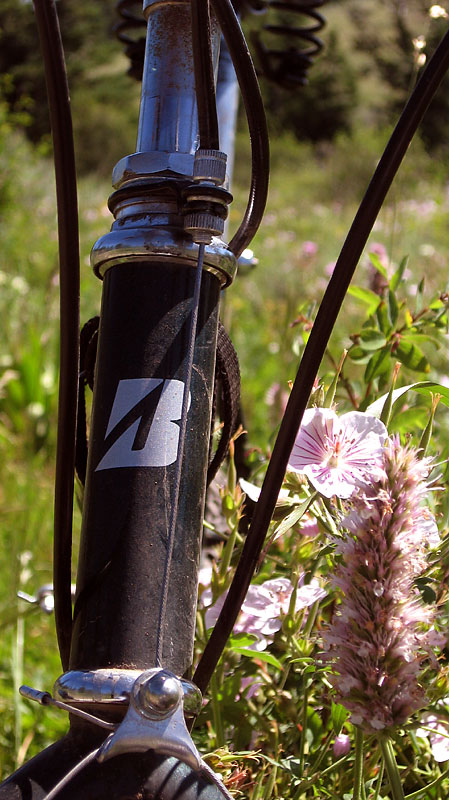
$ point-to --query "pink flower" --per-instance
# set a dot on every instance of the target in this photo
(338, 454)
(263, 606)
(439, 741)
(205, 576)
(309, 527)
(376, 641)
(251, 686)
(309, 249)
(342, 745)
(380, 251)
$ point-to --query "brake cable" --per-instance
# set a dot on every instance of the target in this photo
(204, 75)
(257, 124)
(67, 204)
(171, 535)
(208, 144)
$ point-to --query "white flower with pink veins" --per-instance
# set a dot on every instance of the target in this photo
(263, 605)
(339, 454)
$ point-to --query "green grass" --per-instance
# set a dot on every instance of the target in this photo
(313, 197)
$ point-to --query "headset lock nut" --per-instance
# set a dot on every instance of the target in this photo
(206, 201)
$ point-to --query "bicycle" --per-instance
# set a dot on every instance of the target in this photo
(126, 675)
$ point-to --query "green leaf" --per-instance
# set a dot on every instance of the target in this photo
(339, 715)
(412, 356)
(383, 318)
(314, 723)
(426, 388)
(376, 262)
(356, 353)
(371, 339)
(370, 299)
(408, 318)
(310, 670)
(393, 308)
(414, 418)
(412, 335)
(269, 658)
(378, 364)
(419, 296)
(436, 304)
(427, 593)
(398, 275)
(239, 640)
(294, 516)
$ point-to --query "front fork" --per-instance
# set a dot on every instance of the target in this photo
(133, 453)
(147, 263)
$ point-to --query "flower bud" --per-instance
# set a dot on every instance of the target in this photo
(342, 745)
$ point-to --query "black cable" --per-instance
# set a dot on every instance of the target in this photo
(64, 159)
(72, 773)
(171, 535)
(257, 124)
(204, 75)
(314, 351)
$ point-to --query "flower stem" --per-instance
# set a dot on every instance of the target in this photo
(227, 552)
(379, 780)
(358, 764)
(216, 713)
(256, 793)
(425, 789)
(302, 740)
(308, 782)
(392, 769)
(311, 617)
(270, 784)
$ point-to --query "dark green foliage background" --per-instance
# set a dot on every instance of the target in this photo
(363, 76)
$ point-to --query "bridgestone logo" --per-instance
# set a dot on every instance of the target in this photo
(157, 420)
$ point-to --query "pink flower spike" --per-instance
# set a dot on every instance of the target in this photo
(339, 454)
(379, 638)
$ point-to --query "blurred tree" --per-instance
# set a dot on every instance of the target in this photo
(397, 38)
(85, 28)
(435, 125)
(370, 62)
(312, 94)
(97, 77)
(323, 107)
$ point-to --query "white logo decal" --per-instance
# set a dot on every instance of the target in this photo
(161, 445)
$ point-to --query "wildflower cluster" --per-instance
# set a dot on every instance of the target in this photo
(341, 635)
(376, 641)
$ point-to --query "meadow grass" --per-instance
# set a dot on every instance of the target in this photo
(314, 194)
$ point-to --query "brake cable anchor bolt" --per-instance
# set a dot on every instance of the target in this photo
(159, 695)
(206, 200)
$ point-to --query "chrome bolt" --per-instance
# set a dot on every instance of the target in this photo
(160, 694)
